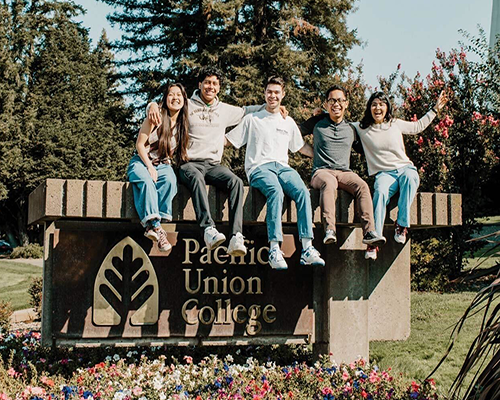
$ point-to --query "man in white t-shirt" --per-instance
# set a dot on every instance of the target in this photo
(268, 138)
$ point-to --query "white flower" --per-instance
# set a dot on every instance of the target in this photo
(229, 358)
(116, 357)
(122, 394)
(162, 396)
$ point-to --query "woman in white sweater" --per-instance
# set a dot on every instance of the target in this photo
(382, 138)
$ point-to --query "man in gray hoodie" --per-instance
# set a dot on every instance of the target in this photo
(208, 120)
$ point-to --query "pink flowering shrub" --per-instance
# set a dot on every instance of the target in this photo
(457, 153)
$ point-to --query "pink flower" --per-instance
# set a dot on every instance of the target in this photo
(13, 373)
(188, 359)
(476, 115)
(3, 396)
(437, 143)
(414, 118)
(326, 391)
(345, 376)
(47, 381)
(420, 141)
(444, 133)
(137, 391)
(447, 121)
(373, 377)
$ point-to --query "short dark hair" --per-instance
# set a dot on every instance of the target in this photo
(209, 70)
(337, 87)
(275, 80)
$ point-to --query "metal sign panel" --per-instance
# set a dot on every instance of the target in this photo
(109, 284)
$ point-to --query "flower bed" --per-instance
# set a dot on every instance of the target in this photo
(24, 374)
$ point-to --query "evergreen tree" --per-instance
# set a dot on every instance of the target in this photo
(306, 42)
(67, 120)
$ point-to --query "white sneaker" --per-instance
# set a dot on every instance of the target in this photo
(276, 260)
(311, 256)
(371, 253)
(213, 238)
(330, 237)
(237, 246)
(400, 234)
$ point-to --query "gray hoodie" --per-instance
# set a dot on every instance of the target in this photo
(208, 124)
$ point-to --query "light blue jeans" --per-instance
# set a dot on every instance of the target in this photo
(153, 200)
(274, 180)
(387, 183)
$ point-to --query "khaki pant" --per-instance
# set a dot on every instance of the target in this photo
(328, 181)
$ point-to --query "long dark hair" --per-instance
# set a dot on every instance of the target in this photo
(368, 117)
(165, 131)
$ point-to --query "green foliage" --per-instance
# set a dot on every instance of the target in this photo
(478, 377)
(5, 314)
(305, 42)
(60, 113)
(36, 291)
(32, 250)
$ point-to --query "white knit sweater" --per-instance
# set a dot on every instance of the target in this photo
(383, 143)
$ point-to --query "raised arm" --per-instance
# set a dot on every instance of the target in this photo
(420, 125)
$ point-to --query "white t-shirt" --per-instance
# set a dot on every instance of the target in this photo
(268, 138)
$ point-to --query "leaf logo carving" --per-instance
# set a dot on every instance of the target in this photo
(126, 281)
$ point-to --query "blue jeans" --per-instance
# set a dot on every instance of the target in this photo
(387, 183)
(153, 200)
(274, 180)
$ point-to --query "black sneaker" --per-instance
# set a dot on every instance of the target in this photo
(372, 238)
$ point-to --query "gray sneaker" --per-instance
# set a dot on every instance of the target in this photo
(330, 237)
(276, 260)
(373, 238)
(213, 238)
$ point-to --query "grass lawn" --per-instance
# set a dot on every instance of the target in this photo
(433, 316)
(15, 279)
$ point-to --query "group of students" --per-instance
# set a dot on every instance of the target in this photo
(191, 133)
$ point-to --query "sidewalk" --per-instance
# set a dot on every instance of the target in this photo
(26, 315)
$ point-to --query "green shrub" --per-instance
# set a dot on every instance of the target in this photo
(5, 314)
(35, 292)
(32, 250)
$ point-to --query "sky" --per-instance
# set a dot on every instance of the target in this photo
(405, 32)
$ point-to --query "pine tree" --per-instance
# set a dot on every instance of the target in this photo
(304, 41)
(67, 121)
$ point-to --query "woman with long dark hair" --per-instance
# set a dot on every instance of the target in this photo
(382, 137)
(150, 169)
